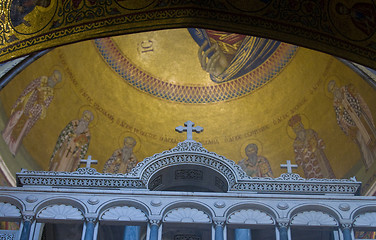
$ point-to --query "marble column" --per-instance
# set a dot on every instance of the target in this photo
(346, 231)
(243, 234)
(154, 228)
(27, 221)
(90, 227)
(219, 225)
(132, 232)
(283, 230)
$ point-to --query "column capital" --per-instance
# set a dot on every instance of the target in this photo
(219, 221)
(28, 216)
(155, 220)
(345, 223)
(283, 222)
(91, 217)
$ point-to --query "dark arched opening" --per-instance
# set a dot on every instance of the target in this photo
(188, 178)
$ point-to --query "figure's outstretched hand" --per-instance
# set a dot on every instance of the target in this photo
(212, 60)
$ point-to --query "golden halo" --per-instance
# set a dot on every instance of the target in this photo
(61, 84)
(327, 80)
(249, 141)
(92, 110)
(306, 123)
(129, 134)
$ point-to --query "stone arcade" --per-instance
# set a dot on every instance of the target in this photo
(183, 193)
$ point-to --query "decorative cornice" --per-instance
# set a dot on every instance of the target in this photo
(83, 177)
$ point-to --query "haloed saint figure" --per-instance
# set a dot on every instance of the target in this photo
(72, 144)
(123, 159)
(255, 165)
(30, 106)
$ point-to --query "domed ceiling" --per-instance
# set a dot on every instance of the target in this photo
(241, 89)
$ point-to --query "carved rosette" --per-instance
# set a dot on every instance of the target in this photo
(250, 216)
(60, 211)
(313, 218)
(124, 213)
(187, 215)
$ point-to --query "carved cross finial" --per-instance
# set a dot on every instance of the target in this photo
(289, 166)
(189, 129)
(88, 161)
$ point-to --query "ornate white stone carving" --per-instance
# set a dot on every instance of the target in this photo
(366, 220)
(313, 218)
(8, 234)
(187, 215)
(9, 210)
(60, 211)
(189, 152)
(124, 213)
(250, 216)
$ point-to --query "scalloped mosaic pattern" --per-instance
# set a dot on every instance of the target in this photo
(195, 94)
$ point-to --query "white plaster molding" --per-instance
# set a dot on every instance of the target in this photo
(124, 213)
(250, 216)
(9, 210)
(187, 215)
(365, 220)
(313, 218)
(60, 211)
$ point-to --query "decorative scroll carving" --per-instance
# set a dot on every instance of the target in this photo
(312, 186)
(83, 177)
(365, 220)
(60, 212)
(124, 213)
(250, 216)
(313, 218)
(8, 234)
(9, 210)
(187, 215)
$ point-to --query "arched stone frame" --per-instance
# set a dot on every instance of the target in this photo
(314, 217)
(119, 207)
(59, 203)
(11, 209)
(250, 215)
(188, 152)
(364, 218)
(256, 206)
(201, 206)
(317, 208)
(74, 202)
(12, 201)
(132, 203)
(187, 215)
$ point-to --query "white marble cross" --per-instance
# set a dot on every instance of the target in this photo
(289, 166)
(88, 161)
(189, 129)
